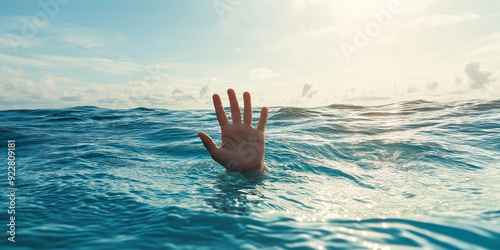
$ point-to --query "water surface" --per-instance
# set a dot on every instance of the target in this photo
(405, 175)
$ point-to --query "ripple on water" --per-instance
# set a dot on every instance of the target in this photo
(404, 175)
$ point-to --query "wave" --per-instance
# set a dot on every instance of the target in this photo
(411, 174)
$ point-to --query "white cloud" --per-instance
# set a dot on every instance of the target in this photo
(321, 31)
(98, 64)
(488, 45)
(164, 41)
(83, 96)
(21, 61)
(205, 90)
(432, 85)
(80, 36)
(19, 89)
(440, 20)
(301, 45)
(262, 74)
(94, 88)
(171, 92)
(308, 91)
(106, 65)
(73, 35)
(72, 96)
(428, 86)
(14, 34)
(494, 37)
(177, 91)
(479, 79)
(411, 7)
(15, 41)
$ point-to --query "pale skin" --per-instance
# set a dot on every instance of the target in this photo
(243, 146)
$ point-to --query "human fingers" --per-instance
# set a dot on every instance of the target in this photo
(208, 142)
(235, 108)
(219, 110)
(263, 119)
(247, 115)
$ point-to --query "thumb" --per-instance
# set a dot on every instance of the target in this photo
(208, 142)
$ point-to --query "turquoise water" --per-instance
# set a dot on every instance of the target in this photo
(406, 175)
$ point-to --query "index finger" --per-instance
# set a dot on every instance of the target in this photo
(219, 110)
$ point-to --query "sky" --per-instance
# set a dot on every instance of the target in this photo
(175, 54)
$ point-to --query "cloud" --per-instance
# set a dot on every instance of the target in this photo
(321, 31)
(478, 78)
(98, 64)
(494, 37)
(491, 44)
(17, 89)
(73, 35)
(15, 41)
(93, 89)
(105, 65)
(416, 7)
(184, 98)
(425, 86)
(80, 36)
(164, 41)
(261, 74)
(177, 91)
(21, 61)
(14, 34)
(205, 90)
(72, 96)
(432, 85)
(171, 93)
(81, 94)
(413, 88)
(441, 20)
(308, 90)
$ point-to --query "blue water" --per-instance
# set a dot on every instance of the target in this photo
(406, 175)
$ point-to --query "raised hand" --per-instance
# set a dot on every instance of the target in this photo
(243, 146)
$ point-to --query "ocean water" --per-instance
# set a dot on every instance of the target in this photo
(406, 175)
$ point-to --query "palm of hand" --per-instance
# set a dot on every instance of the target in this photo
(243, 146)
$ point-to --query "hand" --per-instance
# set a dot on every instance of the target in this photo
(243, 146)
